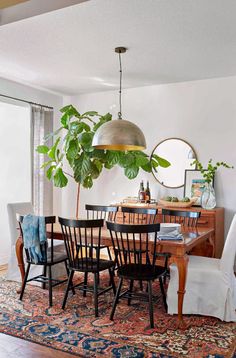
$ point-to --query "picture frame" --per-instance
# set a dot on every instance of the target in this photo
(194, 184)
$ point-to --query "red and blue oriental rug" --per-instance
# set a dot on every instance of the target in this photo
(77, 331)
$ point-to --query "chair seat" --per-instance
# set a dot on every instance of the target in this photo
(140, 272)
(91, 265)
(59, 255)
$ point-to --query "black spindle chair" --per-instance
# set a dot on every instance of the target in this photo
(83, 241)
(138, 215)
(185, 218)
(135, 262)
(102, 212)
(133, 215)
(54, 255)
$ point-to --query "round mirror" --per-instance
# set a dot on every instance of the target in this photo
(180, 154)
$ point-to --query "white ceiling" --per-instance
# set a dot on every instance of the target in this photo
(70, 51)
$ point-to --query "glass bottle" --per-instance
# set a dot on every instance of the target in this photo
(141, 193)
(147, 193)
(208, 198)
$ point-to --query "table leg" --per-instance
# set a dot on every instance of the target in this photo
(20, 259)
(182, 265)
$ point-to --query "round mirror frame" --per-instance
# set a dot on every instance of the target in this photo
(164, 140)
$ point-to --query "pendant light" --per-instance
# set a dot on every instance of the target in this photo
(119, 134)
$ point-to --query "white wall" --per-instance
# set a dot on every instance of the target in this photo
(201, 112)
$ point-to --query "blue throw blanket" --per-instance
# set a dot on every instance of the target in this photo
(34, 234)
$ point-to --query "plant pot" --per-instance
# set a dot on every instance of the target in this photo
(208, 198)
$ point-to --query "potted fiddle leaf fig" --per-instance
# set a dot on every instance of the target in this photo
(73, 143)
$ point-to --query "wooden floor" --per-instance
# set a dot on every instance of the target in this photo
(18, 348)
(11, 347)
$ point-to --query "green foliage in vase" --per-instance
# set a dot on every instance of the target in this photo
(73, 142)
(209, 173)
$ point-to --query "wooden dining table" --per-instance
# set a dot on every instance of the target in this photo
(179, 251)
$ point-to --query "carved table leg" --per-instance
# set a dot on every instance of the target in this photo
(20, 259)
(182, 265)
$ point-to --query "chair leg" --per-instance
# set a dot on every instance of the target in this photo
(44, 275)
(150, 304)
(67, 288)
(85, 283)
(163, 293)
(24, 282)
(112, 283)
(50, 284)
(96, 293)
(131, 284)
(68, 273)
(109, 253)
(116, 299)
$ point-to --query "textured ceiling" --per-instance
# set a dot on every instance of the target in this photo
(70, 50)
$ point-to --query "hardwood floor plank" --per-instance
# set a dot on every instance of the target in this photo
(15, 347)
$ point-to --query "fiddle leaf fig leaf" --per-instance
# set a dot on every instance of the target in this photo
(52, 151)
(126, 159)
(72, 149)
(161, 161)
(113, 157)
(42, 149)
(85, 140)
(147, 167)
(90, 113)
(131, 172)
(81, 167)
(50, 171)
(59, 179)
(88, 182)
(141, 160)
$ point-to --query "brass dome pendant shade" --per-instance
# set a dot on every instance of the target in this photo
(119, 134)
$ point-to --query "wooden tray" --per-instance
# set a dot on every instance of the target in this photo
(178, 204)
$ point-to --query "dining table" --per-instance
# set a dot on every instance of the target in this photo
(178, 249)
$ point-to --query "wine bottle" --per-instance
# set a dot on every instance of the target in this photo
(147, 193)
(141, 193)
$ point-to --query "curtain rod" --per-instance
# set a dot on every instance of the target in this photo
(22, 100)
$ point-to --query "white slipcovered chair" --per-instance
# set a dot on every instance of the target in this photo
(13, 272)
(210, 284)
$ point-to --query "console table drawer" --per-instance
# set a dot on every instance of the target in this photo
(206, 221)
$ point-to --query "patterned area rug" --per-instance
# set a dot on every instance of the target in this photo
(77, 331)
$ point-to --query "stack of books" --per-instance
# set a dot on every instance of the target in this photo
(169, 231)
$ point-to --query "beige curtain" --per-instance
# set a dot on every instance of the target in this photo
(42, 188)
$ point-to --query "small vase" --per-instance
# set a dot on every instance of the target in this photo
(208, 198)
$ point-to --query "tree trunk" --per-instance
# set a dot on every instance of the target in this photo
(77, 202)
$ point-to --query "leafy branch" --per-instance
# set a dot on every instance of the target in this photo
(209, 173)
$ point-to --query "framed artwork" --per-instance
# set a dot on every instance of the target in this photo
(194, 185)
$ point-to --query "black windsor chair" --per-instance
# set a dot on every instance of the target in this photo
(138, 215)
(83, 241)
(185, 218)
(54, 255)
(131, 244)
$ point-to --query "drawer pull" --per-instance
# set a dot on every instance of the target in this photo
(202, 222)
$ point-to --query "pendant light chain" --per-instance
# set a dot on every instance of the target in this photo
(120, 112)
